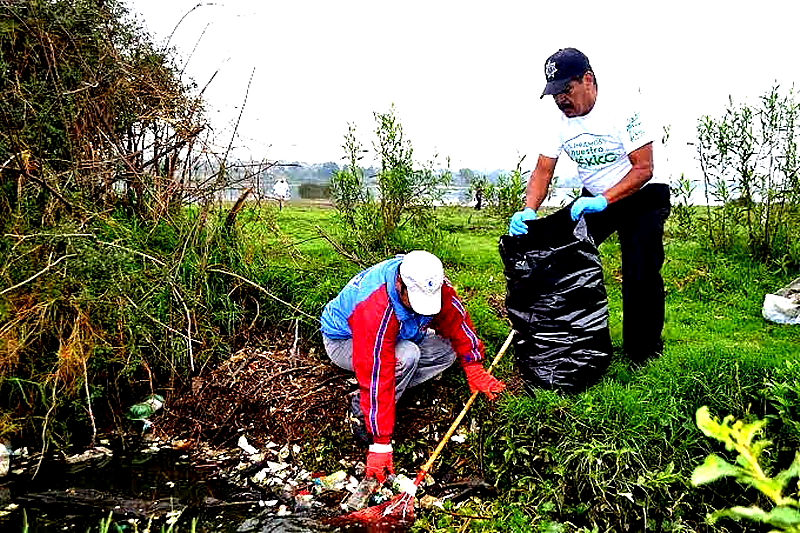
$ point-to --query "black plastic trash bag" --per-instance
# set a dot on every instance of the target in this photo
(557, 304)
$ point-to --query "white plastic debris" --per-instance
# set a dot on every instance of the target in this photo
(92, 453)
(259, 477)
(5, 459)
(246, 447)
(781, 310)
(276, 467)
(783, 307)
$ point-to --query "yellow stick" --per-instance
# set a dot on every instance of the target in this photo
(427, 466)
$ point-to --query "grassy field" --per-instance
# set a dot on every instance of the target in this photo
(617, 457)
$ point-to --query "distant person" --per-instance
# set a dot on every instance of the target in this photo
(397, 324)
(281, 191)
(612, 143)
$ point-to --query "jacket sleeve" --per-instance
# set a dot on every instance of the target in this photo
(375, 328)
(453, 323)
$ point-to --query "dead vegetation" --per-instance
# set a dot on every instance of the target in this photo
(273, 391)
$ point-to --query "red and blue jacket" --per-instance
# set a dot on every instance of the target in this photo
(368, 310)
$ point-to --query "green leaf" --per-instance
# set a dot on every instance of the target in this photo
(749, 431)
(779, 516)
(713, 468)
(709, 425)
(793, 471)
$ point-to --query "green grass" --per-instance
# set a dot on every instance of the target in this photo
(618, 456)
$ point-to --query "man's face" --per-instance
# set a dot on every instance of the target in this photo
(578, 97)
(402, 291)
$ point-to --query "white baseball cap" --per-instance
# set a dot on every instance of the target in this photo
(423, 276)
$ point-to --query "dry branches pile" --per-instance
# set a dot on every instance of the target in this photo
(274, 392)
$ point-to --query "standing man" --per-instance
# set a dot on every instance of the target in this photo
(397, 324)
(612, 144)
(282, 192)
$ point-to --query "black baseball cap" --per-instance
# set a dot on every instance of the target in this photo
(561, 67)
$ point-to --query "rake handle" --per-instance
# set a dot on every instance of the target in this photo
(435, 455)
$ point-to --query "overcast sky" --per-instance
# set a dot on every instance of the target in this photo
(465, 77)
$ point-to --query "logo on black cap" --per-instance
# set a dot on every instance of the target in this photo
(550, 70)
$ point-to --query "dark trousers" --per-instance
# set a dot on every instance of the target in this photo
(639, 222)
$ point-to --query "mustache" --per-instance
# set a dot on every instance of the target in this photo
(563, 106)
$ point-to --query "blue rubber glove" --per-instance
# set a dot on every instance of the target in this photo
(588, 204)
(517, 225)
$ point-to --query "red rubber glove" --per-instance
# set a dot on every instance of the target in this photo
(380, 462)
(480, 380)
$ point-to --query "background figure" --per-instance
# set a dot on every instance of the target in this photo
(281, 192)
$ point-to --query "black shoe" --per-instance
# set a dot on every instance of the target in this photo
(640, 358)
(355, 417)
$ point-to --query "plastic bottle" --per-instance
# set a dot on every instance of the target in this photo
(333, 481)
(360, 497)
(5, 459)
(147, 408)
(303, 500)
(141, 411)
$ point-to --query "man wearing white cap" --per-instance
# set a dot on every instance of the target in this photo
(397, 324)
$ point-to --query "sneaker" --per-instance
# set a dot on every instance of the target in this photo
(355, 417)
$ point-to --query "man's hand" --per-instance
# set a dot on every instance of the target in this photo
(480, 380)
(380, 462)
(588, 204)
(517, 225)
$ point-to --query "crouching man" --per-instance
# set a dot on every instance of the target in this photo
(397, 324)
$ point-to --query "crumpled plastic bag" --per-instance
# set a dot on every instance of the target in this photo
(783, 307)
(557, 303)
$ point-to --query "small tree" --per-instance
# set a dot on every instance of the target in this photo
(378, 224)
(348, 185)
(509, 194)
(750, 170)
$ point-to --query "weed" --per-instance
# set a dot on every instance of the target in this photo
(741, 437)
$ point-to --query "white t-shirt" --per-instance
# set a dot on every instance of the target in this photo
(599, 142)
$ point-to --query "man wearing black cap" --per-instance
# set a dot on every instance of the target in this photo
(612, 144)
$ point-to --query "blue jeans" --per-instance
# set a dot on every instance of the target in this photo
(415, 363)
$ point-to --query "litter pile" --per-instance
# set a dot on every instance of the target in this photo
(271, 391)
(283, 487)
(246, 428)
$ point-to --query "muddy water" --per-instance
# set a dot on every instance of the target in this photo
(160, 485)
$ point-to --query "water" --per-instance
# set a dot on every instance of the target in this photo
(63, 497)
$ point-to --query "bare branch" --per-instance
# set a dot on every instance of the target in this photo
(265, 291)
(48, 267)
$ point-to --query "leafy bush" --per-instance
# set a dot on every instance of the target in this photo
(751, 169)
(110, 284)
(398, 216)
(507, 196)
